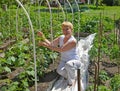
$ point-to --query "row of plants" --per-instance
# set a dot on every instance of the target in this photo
(20, 54)
(114, 82)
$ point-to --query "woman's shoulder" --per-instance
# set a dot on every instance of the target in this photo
(61, 36)
(73, 38)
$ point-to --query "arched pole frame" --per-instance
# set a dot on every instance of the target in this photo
(62, 9)
(78, 19)
(33, 37)
(51, 23)
(71, 11)
(39, 13)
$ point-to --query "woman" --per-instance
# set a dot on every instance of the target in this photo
(66, 45)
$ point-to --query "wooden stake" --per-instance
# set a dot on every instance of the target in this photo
(96, 69)
(78, 77)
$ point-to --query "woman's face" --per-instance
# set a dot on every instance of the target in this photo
(66, 31)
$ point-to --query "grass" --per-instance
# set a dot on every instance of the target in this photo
(108, 11)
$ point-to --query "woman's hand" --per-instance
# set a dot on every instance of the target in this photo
(42, 44)
(40, 34)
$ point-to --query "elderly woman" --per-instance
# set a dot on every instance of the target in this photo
(66, 45)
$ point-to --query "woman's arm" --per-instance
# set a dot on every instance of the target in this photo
(54, 44)
(64, 48)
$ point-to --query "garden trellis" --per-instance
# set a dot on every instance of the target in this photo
(51, 22)
(51, 30)
(33, 37)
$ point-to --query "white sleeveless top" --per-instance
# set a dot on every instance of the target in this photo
(70, 54)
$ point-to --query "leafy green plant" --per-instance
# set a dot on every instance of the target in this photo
(108, 24)
(3, 67)
(17, 54)
(103, 76)
(103, 88)
(115, 52)
(100, 88)
(115, 83)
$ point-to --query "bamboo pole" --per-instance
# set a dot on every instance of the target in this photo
(119, 44)
(115, 36)
(99, 48)
(96, 69)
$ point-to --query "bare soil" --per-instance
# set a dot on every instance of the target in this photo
(46, 81)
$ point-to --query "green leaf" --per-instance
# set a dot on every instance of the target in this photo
(4, 88)
(26, 89)
(30, 72)
(7, 69)
(25, 83)
(13, 58)
(26, 48)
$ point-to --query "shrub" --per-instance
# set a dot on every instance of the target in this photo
(117, 2)
(108, 2)
(111, 2)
